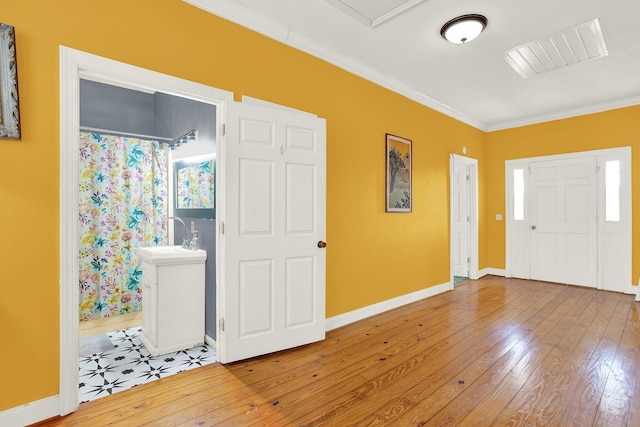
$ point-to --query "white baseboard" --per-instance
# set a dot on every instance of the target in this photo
(30, 413)
(50, 407)
(211, 342)
(493, 271)
(371, 310)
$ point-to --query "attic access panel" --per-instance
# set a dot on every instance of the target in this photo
(374, 13)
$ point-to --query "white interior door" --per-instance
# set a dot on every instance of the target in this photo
(563, 221)
(272, 294)
(460, 220)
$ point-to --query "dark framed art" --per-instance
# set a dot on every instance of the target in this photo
(9, 108)
(398, 174)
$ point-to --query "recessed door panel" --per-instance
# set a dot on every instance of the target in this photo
(455, 242)
(301, 139)
(577, 252)
(301, 196)
(256, 197)
(547, 208)
(548, 247)
(256, 297)
(257, 133)
(301, 291)
(456, 206)
(577, 203)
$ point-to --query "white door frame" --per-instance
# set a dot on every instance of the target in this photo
(472, 188)
(624, 155)
(75, 64)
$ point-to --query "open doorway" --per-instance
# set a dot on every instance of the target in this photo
(291, 161)
(75, 66)
(144, 157)
(463, 209)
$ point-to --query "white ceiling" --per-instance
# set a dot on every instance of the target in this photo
(471, 82)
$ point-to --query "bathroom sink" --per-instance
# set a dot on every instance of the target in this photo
(162, 255)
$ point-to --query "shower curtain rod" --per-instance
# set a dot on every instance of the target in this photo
(115, 132)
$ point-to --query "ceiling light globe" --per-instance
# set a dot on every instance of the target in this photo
(463, 29)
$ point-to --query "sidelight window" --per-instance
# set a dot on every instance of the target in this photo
(518, 194)
(612, 190)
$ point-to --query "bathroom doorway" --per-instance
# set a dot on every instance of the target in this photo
(297, 150)
(77, 66)
(131, 143)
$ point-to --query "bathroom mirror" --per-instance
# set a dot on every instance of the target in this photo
(9, 110)
(194, 187)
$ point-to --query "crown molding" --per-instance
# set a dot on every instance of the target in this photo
(565, 114)
(245, 17)
(266, 26)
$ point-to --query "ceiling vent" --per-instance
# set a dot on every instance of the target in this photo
(577, 44)
(374, 13)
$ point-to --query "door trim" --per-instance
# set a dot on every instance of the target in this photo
(621, 153)
(472, 188)
(75, 64)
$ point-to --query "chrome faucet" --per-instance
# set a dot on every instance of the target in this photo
(185, 239)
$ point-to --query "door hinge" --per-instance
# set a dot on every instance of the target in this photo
(222, 324)
(468, 260)
(224, 129)
(468, 219)
(222, 227)
(468, 177)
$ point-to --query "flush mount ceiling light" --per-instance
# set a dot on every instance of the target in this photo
(464, 28)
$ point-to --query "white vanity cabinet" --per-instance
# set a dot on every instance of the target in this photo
(172, 298)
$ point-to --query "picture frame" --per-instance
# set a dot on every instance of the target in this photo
(9, 106)
(398, 167)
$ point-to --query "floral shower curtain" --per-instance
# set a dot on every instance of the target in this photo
(122, 206)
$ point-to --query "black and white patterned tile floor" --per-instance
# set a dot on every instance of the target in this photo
(130, 364)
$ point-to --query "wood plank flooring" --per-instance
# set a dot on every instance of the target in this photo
(492, 352)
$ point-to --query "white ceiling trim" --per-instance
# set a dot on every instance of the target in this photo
(591, 109)
(242, 16)
(245, 17)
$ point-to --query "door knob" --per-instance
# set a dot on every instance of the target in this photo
(533, 227)
(322, 244)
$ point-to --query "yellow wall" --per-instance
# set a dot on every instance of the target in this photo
(615, 128)
(371, 255)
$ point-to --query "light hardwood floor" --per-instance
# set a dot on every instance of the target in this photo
(494, 351)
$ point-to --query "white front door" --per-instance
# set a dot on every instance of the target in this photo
(563, 221)
(460, 220)
(272, 294)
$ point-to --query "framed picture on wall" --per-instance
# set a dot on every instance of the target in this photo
(9, 110)
(398, 172)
